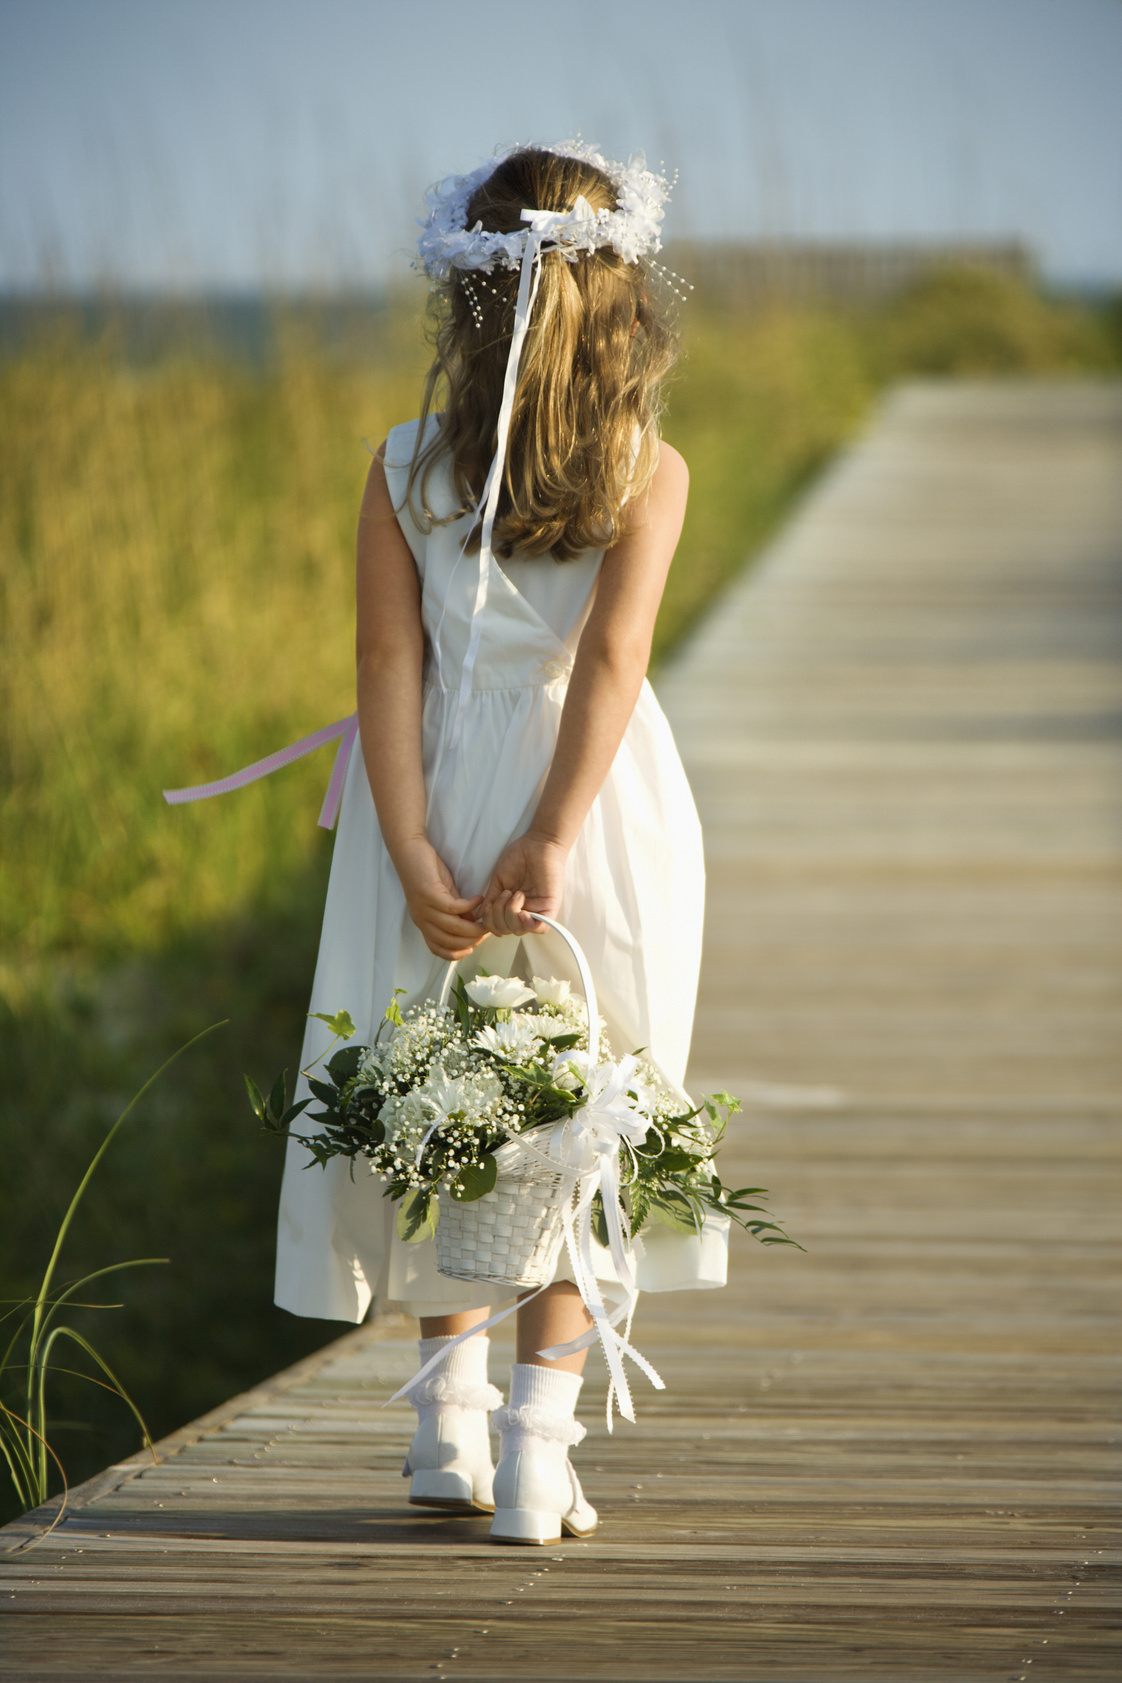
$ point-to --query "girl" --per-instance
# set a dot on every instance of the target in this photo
(512, 552)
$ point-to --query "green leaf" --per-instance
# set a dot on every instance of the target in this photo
(256, 1097)
(278, 1096)
(720, 1107)
(293, 1112)
(393, 1013)
(344, 1065)
(671, 1209)
(769, 1233)
(639, 1205)
(675, 1159)
(417, 1215)
(475, 1180)
(340, 1024)
(324, 1093)
(738, 1198)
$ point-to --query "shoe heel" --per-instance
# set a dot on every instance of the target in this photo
(441, 1490)
(525, 1525)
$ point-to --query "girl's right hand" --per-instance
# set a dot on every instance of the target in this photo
(528, 880)
(446, 920)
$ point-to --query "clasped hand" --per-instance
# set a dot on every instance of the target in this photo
(527, 882)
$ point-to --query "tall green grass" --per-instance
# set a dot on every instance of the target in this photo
(175, 600)
(175, 597)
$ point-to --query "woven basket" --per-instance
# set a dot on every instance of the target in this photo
(511, 1235)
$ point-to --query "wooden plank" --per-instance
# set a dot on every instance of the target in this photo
(894, 1456)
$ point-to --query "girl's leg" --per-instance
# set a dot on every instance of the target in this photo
(556, 1317)
(447, 1326)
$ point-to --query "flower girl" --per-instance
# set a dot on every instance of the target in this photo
(513, 546)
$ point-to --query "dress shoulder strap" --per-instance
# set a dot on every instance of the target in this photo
(400, 445)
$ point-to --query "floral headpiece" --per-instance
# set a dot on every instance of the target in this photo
(632, 229)
(446, 245)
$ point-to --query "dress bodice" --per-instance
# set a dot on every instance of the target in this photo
(535, 607)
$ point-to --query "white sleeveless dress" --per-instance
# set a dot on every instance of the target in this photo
(633, 898)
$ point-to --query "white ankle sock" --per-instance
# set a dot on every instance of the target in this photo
(539, 1415)
(460, 1380)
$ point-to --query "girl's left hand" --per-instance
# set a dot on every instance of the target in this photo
(528, 880)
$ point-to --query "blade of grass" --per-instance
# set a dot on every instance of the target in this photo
(8, 1415)
(32, 1451)
(115, 1383)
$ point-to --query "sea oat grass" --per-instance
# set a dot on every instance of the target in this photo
(175, 598)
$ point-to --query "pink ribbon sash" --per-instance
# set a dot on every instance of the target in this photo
(346, 728)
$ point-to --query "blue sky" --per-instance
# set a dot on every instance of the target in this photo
(227, 142)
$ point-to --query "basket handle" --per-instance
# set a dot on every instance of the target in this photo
(583, 971)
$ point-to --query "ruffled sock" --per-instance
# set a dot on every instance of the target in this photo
(539, 1416)
(460, 1381)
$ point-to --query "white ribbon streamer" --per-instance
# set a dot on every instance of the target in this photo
(585, 1149)
(545, 226)
(529, 276)
(433, 1361)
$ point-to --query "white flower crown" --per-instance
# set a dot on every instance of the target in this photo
(632, 229)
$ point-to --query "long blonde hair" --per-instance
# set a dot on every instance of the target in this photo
(583, 434)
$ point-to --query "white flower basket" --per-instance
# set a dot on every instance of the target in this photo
(510, 1236)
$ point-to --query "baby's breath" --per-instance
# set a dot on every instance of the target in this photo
(430, 1105)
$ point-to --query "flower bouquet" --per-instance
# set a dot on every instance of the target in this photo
(498, 1096)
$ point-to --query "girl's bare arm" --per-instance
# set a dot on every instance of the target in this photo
(389, 649)
(611, 662)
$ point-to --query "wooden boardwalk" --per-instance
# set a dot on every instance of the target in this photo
(887, 1458)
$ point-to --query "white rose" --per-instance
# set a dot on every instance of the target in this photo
(551, 990)
(499, 992)
(570, 1070)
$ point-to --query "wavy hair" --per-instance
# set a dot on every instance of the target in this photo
(584, 430)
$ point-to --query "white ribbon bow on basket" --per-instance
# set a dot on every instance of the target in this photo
(585, 1149)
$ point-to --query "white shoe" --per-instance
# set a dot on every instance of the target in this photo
(537, 1493)
(449, 1461)
(537, 1497)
